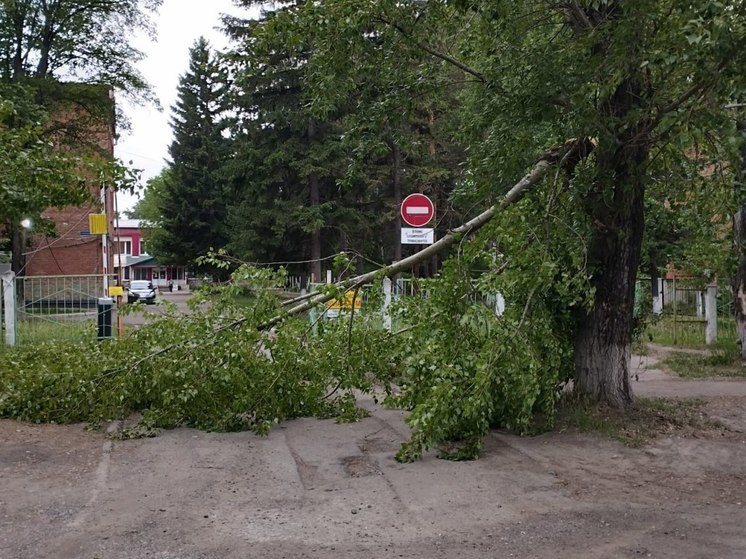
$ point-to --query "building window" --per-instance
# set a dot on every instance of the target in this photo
(125, 248)
(141, 273)
(143, 250)
(126, 275)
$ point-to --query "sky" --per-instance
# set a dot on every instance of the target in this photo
(179, 23)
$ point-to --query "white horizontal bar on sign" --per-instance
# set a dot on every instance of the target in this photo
(417, 236)
(417, 210)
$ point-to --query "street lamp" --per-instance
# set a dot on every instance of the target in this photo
(26, 225)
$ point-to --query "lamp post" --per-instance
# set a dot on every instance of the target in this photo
(26, 225)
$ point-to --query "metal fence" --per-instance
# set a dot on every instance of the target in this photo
(679, 316)
(47, 308)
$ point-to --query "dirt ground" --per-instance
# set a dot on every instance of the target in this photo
(315, 489)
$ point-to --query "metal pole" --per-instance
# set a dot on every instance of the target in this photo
(9, 300)
(120, 322)
(104, 243)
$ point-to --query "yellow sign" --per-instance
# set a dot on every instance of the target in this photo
(346, 302)
(116, 291)
(97, 224)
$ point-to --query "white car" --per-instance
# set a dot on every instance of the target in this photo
(141, 290)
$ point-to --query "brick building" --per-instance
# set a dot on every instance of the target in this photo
(130, 254)
(72, 250)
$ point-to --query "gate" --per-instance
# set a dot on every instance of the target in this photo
(51, 308)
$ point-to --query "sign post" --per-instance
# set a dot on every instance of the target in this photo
(417, 210)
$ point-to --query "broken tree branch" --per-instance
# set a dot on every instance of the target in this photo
(571, 150)
(567, 155)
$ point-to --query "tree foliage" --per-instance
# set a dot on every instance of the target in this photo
(194, 198)
(641, 88)
(49, 128)
(83, 40)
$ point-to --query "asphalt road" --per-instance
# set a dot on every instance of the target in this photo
(316, 489)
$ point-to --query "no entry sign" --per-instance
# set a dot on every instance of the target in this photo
(417, 210)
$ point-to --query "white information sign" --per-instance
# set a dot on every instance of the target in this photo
(417, 236)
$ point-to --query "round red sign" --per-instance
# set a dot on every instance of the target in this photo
(417, 210)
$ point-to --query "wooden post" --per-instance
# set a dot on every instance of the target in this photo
(711, 315)
(9, 305)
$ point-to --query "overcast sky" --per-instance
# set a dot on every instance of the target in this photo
(179, 23)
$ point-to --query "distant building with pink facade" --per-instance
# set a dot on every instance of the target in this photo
(131, 255)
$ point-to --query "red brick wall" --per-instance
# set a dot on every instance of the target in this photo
(69, 252)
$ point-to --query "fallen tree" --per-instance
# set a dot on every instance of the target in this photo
(457, 366)
(569, 154)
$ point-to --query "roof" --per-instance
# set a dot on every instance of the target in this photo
(140, 260)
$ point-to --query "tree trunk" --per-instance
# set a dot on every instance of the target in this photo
(17, 248)
(19, 20)
(396, 182)
(45, 44)
(616, 212)
(604, 335)
(738, 283)
(313, 180)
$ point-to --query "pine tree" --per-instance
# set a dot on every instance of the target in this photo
(193, 208)
(287, 164)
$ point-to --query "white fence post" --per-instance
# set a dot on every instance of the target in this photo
(9, 305)
(711, 315)
(387, 304)
(658, 299)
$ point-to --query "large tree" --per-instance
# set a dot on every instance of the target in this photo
(84, 40)
(632, 77)
(194, 201)
(287, 161)
(311, 182)
(50, 160)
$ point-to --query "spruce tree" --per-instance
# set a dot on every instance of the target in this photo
(193, 208)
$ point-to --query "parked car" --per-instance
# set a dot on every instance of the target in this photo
(140, 290)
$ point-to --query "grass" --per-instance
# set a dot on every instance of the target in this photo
(40, 331)
(686, 331)
(647, 420)
(719, 363)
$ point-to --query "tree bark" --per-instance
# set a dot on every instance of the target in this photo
(615, 208)
(738, 282)
(313, 180)
(396, 182)
(604, 336)
(17, 248)
(19, 20)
